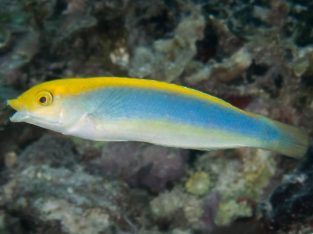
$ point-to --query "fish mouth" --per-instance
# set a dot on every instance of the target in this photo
(27, 117)
(20, 116)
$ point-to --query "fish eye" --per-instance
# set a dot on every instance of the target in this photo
(44, 98)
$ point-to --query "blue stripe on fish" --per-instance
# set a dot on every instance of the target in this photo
(148, 104)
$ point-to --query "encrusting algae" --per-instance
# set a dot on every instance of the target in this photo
(198, 183)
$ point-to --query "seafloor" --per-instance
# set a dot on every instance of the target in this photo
(256, 54)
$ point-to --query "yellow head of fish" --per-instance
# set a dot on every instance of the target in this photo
(41, 105)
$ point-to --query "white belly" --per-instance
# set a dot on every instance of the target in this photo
(161, 133)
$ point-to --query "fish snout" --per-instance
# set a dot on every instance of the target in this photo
(18, 116)
(15, 104)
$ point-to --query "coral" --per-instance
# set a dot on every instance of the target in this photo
(227, 70)
(167, 58)
(230, 210)
(73, 219)
(61, 195)
(242, 182)
(167, 206)
(198, 183)
(47, 187)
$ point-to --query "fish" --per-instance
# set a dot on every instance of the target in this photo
(133, 109)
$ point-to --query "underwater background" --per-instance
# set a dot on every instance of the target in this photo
(256, 54)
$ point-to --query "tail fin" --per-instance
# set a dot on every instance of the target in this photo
(292, 142)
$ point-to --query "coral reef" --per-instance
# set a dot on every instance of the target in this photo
(167, 58)
(198, 183)
(178, 207)
(241, 183)
(56, 195)
(256, 54)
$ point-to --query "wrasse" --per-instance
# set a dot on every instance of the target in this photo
(129, 109)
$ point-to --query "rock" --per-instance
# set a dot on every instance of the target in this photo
(141, 165)
(55, 151)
